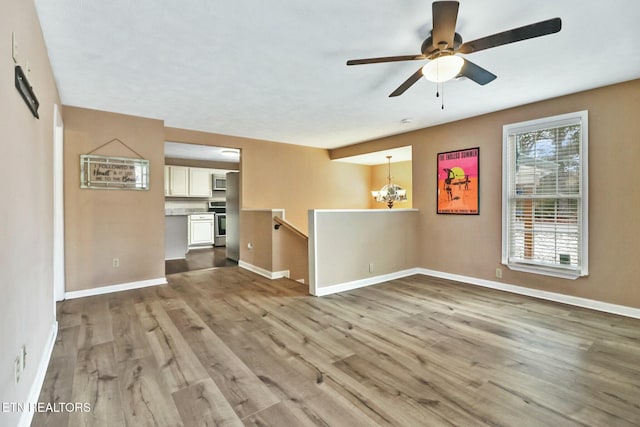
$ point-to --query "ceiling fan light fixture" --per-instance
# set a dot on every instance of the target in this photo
(443, 68)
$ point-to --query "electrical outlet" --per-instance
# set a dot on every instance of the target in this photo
(499, 273)
(370, 267)
(116, 262)
(17, 369)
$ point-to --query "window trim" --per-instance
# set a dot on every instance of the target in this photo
(507, 171)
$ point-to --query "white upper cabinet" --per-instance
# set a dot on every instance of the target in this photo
(184, 181)
(167, 181)
(199, 182)
(177, 180)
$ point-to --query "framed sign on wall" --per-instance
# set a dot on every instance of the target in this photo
(116, 173)
(459, 182)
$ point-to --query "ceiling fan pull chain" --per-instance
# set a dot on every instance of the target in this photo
(437, 77)
(442, 99)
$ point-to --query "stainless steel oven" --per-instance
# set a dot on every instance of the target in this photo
(219, 210)
(220, 229)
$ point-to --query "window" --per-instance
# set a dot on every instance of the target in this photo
(544, 191)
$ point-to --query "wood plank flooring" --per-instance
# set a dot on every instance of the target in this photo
(227, 347)
(199, 259)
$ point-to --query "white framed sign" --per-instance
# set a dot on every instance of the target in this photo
(115, 173)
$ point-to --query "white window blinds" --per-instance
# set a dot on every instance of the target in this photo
(544, 196)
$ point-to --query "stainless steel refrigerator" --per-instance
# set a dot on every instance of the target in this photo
(233, 215)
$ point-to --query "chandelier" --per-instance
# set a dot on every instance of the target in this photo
(391, 192)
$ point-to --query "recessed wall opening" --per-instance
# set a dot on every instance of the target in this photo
(201, 188)
(398, 168)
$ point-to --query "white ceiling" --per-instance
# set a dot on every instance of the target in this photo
(400, 154)
(276, 70)
(178, 150)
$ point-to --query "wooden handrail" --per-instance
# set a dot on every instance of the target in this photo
(281, 222)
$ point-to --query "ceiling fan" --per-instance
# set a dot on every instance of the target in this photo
(443, 45)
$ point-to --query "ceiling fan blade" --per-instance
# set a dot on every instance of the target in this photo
(538, 29)
(476, 73)
(385, 59)
(407, 83)
(445, 15)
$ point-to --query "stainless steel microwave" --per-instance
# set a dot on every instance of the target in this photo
(219, 182)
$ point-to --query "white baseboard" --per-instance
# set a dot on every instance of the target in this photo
(263, 272)
(38, 381)
(606, 307)
(360, 283)
(115, 288)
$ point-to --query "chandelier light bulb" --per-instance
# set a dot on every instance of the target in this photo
(391, 192)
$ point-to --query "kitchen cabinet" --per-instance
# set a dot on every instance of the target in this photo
(199, 182)
(166, 180)
(184, 181)
(176, 181)
(201, 229)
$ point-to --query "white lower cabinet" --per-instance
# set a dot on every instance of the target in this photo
(201, 229)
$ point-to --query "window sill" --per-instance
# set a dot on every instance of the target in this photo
(545, 271)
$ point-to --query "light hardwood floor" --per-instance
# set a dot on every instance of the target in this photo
(227, 347)
(199, 259)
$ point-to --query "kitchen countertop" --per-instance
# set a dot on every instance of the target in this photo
(185, 212)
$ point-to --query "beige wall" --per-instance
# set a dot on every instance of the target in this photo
(104, 224)
(291, 177)
(272, 250)
(291, 252)
(471, 245)
(344, 243)
(256, 230)
(401, 175)
(26, 211)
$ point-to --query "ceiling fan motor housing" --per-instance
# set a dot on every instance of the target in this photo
(432, 51)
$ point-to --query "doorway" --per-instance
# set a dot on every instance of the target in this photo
(196, 200)
(58, 206)
(199, 259)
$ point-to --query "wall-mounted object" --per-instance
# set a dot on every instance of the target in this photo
(115, 173)
(219, 182)
(26, 91)
(459, 182)
(14, 47)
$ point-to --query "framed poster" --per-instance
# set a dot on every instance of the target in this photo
(459, 182)
(119, 173)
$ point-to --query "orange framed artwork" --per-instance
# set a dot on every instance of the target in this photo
(459, 182)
